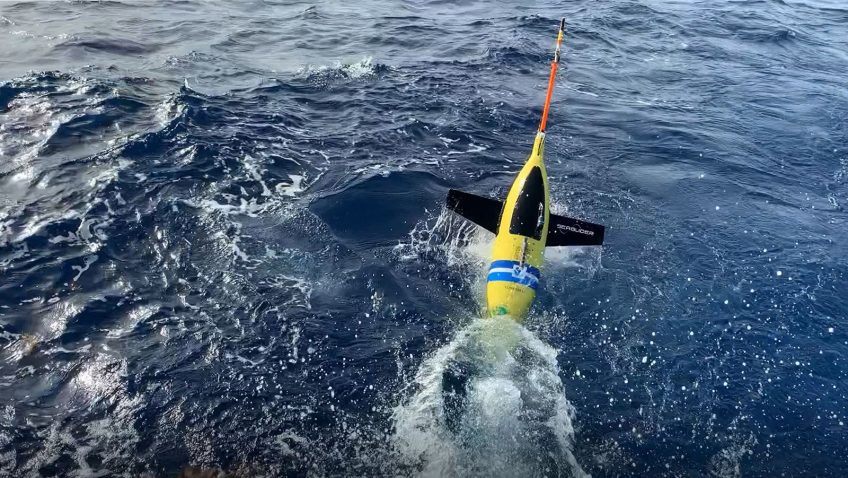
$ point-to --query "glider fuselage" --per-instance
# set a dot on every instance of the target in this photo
(519, 248)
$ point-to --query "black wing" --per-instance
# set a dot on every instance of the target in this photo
(567, 231)
(485, 212)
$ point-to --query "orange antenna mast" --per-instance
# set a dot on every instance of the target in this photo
(554, 65)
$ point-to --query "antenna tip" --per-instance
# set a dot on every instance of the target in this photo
(562, 24)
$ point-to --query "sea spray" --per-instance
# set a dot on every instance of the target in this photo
(488, 403)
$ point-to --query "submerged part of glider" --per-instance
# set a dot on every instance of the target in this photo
(489, 403)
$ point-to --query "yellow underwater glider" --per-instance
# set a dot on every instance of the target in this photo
(523, 225)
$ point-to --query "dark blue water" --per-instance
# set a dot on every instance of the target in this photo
(223, 245)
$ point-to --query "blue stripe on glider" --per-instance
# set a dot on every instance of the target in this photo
(528, 280)
(506, 264)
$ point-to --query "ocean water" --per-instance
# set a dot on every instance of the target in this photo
(223, 242)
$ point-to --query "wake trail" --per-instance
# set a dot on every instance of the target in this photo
(488, 403)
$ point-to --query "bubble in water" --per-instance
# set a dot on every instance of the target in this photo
(489, 403)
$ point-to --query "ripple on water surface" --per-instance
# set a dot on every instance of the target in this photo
(222, 240)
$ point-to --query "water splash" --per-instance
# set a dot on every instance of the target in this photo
(447, 238)
(488, 403)
(325, 75)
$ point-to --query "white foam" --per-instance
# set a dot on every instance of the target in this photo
(290, 283)
(363, 67)
(360, 69)
(244, 360)
(168, 110)
(244, 208)
(472, 148)
(254, 171)
(62, 350)
(88, 261)
(6, 335)
(513, 393)
(27, 125)
(232, 244)
(292, 189)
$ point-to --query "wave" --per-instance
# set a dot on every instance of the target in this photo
(341, 72)
(119, 46)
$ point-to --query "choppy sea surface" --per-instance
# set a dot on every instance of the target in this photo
(223, 242)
